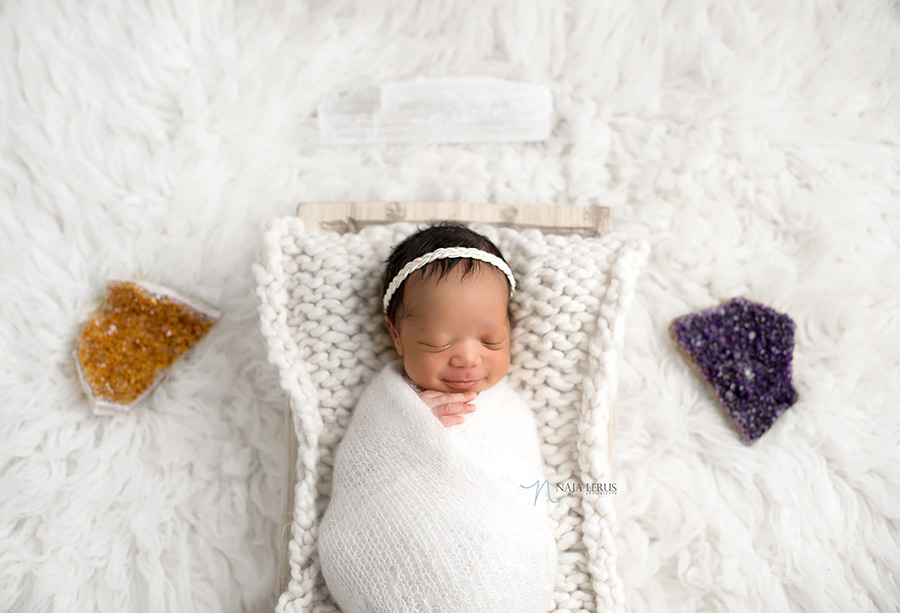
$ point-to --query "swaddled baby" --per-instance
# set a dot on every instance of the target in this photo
(433, 506)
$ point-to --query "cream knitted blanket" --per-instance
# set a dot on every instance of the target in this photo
(428, 518)
(321, 311)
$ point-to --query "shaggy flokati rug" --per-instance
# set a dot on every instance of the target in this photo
(755, 145)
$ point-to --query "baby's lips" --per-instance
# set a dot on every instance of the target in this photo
(462, 386)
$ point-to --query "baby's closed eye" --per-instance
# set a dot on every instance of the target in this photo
(435, 347)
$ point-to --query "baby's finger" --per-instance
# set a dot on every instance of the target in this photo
(434, 397)
(455, 408)
(452, 420)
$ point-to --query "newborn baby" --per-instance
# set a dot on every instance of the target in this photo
(431, 508)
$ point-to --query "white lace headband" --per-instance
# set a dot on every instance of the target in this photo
(442, 254)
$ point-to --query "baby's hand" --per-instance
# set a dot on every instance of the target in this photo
(448, 407)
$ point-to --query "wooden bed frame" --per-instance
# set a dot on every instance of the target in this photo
(342, 217)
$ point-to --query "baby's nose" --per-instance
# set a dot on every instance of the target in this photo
(465, 356)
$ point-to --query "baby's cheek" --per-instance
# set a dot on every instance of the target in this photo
(504, 361)
(499, 366)
(422, 370)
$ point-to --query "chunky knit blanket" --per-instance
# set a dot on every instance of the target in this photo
(320, 312)
(428, 518)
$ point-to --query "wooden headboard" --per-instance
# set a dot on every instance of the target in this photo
(352, 216)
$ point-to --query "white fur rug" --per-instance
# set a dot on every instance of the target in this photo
(756, 145)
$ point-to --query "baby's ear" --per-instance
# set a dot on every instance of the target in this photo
(394, 335)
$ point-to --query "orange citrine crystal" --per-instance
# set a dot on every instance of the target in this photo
(125, 349)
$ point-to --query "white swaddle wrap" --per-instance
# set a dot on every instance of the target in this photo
(428, 518)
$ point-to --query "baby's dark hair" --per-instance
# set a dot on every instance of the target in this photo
(444, 234)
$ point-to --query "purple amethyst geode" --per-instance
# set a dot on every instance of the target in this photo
(743, 350)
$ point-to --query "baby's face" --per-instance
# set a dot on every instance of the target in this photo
(454, 335)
